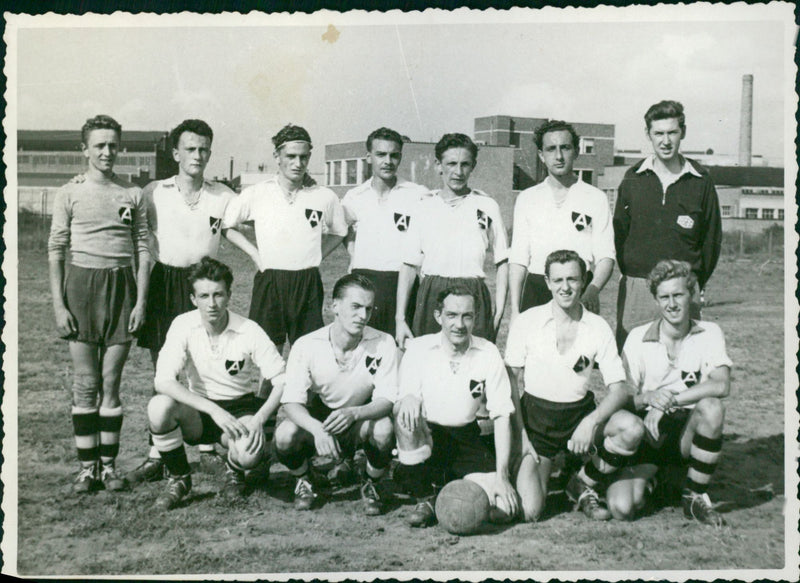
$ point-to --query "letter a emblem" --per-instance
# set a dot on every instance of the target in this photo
(314, 217)
(372, 363)
(402, 222)
(690, 378)
(581, 221)
(125, 215)
(234, 366)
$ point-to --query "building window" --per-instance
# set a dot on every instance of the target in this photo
(751, 213)
(585, 175)
(337, 172)
(768, 213)
(726, 210)
(351, 169)
(366, 170)
(586, 145)
(780, 214)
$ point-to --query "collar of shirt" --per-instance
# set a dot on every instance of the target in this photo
(437, 342)
(687, 167)
(323, 334)
(366, 186)
(235, 323)
(551, 317)
(652, 334)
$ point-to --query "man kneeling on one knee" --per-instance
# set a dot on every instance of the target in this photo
(341, 382)
(217, 349)
(681, 371)
(551, 351)
(445, 378)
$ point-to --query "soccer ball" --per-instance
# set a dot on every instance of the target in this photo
(462, 506)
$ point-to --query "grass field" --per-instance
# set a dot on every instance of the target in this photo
(99, 534)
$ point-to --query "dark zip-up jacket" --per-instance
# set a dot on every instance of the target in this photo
(682, 223)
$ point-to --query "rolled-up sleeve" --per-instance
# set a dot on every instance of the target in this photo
(238, 209)
(58, 243)
(336, 224)
(298, 375)
(172, 356)
(498, 387)
(603, 235)
(499, 236)
(386, 376)
(520, 252)
(264, 354)
(410, 381)
(608, 358)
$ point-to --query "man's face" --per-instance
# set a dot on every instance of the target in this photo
(192, 153)
(666, 136)
(101, 149)
(353, 310)
(384, 157)
(456, 166)
(211, 298)
(558, 153)
(565, 283)
(457, 319)
(673, 297)
(293, 160)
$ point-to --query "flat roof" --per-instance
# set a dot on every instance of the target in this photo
(70, 140)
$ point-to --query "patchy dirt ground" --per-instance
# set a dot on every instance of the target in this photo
(119, 534)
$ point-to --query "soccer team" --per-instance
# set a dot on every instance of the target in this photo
(409, 364)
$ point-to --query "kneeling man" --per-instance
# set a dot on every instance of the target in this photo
(217, 348)
(445, 379)
(681, 371)
(551, 351)
(341, 383)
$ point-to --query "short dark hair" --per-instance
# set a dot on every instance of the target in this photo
(449, 141)
(454, 290)
(666, 109)
(212, 270)
(291, 133)
(384, 134)
(667, 269)
(195, 126)
(555, 125)
(348, 281)
(100, 122)
(564, 256)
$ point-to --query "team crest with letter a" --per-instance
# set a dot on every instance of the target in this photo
(214, 223)
(234, 366)
(402, 222)
(581, 221)
(477, 388)
(125, 215)
(484, 220)
(581, 364)
(690, 378)
(372, 363)
(314, 217)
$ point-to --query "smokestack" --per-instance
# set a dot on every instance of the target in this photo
(746, 125)
(230, 175)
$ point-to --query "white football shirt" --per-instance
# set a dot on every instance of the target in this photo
(217, 373)
(455, 391)
(181, 235)
(288, 231)
(381, 223)
(553, 376)
(369, 374)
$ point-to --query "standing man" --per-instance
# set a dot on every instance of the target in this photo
(667, 209)
(98, 305)
(216, 348)
(445, 380)
(551, 351)
(380, 212)
(561, 212)
(681, 371)
(341, 383)
(296, 227)
(185, 217)
(448, 242)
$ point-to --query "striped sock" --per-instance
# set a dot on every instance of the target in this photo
(703, 458)
(85, 425)
(602, 464)
(110, 422)
(170, 446)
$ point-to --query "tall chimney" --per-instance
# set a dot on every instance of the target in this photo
(746, 125)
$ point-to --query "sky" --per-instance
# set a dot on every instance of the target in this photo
(423, 76)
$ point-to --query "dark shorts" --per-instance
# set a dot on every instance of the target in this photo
(550, 425)
(535, 291)
(101, 300)
(425, 323)
(247, 404)
(458, 451)
(167, 297)
(385, 282)
(667, 451)
(287, 303)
